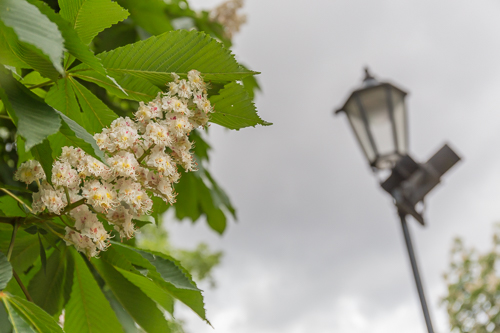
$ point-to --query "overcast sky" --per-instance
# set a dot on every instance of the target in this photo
(318, 246)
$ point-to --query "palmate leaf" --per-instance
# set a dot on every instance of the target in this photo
(34, 28)
(31, 314)
(234, 108)
(134, 301)
(88, 311)
(72, 42)
(89, 17)
(97, 114)
(68, 96)
(180, 51)
(34, 119)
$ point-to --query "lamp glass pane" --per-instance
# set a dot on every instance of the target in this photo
(358, 125)
(374, 103)
(400, 120)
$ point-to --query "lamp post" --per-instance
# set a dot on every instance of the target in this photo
(377, 114)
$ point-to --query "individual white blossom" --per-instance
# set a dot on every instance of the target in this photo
(64, 175)
(142, 156)
(29, 172)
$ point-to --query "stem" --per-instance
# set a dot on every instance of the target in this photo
(53, 231)
(67, 195)
(66, 223)
(11, 246)
(25, 291)
(146, 153)
(5, 117)
(38, 183)
(43, 84)
(74, 205)
(15, 197)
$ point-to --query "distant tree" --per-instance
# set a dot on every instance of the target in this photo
(473, 300)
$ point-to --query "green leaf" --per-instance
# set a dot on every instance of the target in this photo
(78, 137)
(159, 207)
(234, 108)
(32, 79)
(68, 278)
(187, 204)
(163, 270)
(61, 97)
(88, 310)
(15, 53)
(219, 195)
(148, 15)
(25, 250)
(96, 114)
(34, 28)
(140, 223)
(34, 119)
(169, 269)
(43, 154)
(10, 207)
(125, 319)
(43, 255)
(5, 271)
(135, 302)
(150, 288)
(38, 319)
(251, 85)
(21, 151)
(155, 58)
(18, 324)
(72, 42)
(215, 216)
(132, 87)
(46, 289)
(89, 17)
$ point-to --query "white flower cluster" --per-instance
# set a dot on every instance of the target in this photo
(142, 159)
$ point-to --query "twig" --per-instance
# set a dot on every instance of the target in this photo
(13, 238)
(67, 195)
(146, 153)
(25, 291)
(15, 197)
(74, 205)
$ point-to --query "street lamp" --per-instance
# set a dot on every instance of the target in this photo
(377, 114)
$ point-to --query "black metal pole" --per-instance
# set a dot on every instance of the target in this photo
(414, 267)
